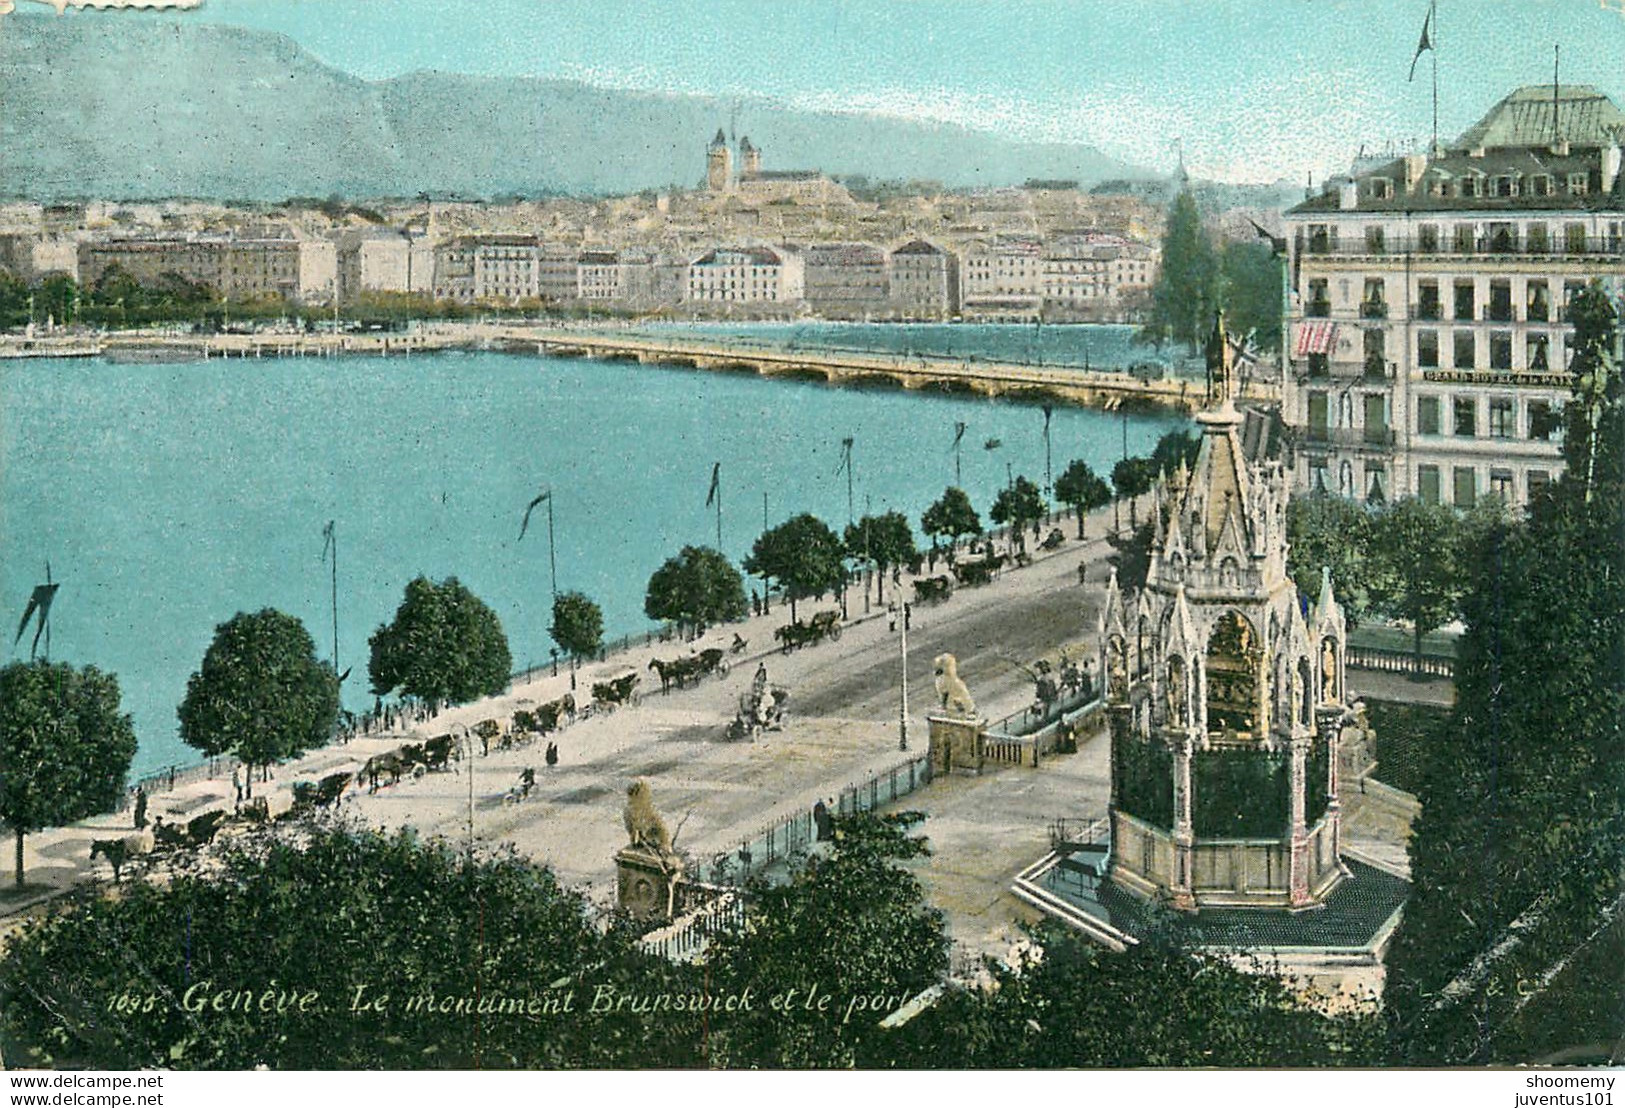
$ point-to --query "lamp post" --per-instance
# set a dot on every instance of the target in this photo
(468, 744)
(902, 720)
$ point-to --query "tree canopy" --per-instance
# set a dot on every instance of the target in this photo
(1083, 489)
(443, 646)
(697, 587)
(578, 625)
(1337, 534)
(1250, 280)
(64, 746)
(803, 555)
(1018, 504)
(885, 540)
(1188, 286)
(951, 517)
(260, 693)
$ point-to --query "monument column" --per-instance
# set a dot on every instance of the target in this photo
(1329, 717)
(1184, 836)
(1298, 868)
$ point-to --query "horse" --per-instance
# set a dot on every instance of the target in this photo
(438, 751)
(119, 851)
(674, 672)
(378, 765)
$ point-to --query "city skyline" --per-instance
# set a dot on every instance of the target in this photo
(1134, 79)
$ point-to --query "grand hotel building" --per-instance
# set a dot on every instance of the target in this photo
(1428, 341)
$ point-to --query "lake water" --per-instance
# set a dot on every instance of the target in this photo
(169, 497)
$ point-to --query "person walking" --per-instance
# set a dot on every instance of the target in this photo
(140, 808)
(237, 781)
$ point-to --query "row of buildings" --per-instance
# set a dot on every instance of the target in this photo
(1080, 275)
(1429, 338)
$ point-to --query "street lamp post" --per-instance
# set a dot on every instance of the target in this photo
(902, 728)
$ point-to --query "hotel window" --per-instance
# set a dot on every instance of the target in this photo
(1374, 493)
(1427, 300)
(1574, 238)
(1543, 421)
(1579, 184)
(1318, 481)
(1427, 415)
(1466, 349)
(1503, 238)
(1464, 301)
(1540, 185)
(1466, 487)
(1466, 413)
(1376, 352)
(1375, 240)
(1374, 302)
(1427, 238)
(1317, 415)
(1469, 185)
(1317, 365)
(1427, 484)
(1463, 239)
(1501, 350)
(1427, 349)
(1382, 188)
(1535, 357)
(1501, 484)
(1537, 307)
(1506, 186)
(1320, 304)
(1571, 289)
(1502, 423)
(1501, 301)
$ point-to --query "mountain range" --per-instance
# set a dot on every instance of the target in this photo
(129, 108)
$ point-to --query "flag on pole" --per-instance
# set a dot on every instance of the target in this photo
(716, 478)
(39, 604)
(327, 538)
(1425, 44)
(524, 524)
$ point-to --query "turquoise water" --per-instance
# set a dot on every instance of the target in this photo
(1097, 346)
(169, 497)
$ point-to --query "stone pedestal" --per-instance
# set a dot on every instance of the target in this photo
(955, 744)
(646, 883)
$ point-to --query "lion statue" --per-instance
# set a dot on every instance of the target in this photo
(643, 824)
(952, 691)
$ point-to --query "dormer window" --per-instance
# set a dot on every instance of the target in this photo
(1505, 186)
(1579, 184)
(1469, 185)
(1382, 188)
(1437, 186)
(1540, 185)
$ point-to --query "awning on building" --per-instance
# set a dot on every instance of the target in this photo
(1314, 337)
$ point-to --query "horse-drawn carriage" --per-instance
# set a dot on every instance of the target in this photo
(823, 625)
(613, 692)
(979, 571)
(761, 709)
(933, 590)
(681, 671)
(1053, 540)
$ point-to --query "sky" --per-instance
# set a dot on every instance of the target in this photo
(1252, 90)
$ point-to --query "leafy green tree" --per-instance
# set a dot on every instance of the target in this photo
(852, 923)
(1078, 1005)
(1018, 505)
(578, 627)
(1131, 556)
(443, 646)
(1417, 547)
(951, 517)
(260, 693)
(698, 587)
(413, 957)
(885, 540)
(1340, 535)
(14, 295)
(64, 746)
(1596, 373)
(1174, 449)
(58, 297)
(1132, 478)
(1083, 489)
(803, 555)
(1188, 286)
(1250, 276)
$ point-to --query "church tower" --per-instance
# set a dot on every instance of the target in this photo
(750, 160)
(1224, 691)
(719, 168)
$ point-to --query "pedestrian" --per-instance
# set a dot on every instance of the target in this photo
(140, 808)
(552, 754)
(171, 778)
(237, 781)
(485, 745)
(908, 615)
(891, 615)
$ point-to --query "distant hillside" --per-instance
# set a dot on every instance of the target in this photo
(131, 108)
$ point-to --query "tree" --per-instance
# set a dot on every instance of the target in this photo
(1131, 478)
(64, 746)
(1251, 283)
(803, 555)
(443, 646)
(260, 694)
(1083, 489)
(951, 517)
(385, 952)
(1187, 288)
(1018, 505)
(578, 628)
(57, 298)
(1597, 386)
(1174, 449)
(849, 924)
(698, 587)
(1337, 534)
(885, 540)
(1417, 547)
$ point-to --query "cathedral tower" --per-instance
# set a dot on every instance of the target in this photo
(719, 169)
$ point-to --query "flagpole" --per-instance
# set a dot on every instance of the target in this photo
(1433, 15)
(719, 506)
(552, 559)
(335, 536)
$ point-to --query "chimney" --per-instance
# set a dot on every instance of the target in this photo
(1348, 194)
(1414, 165)
(1610, 166)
